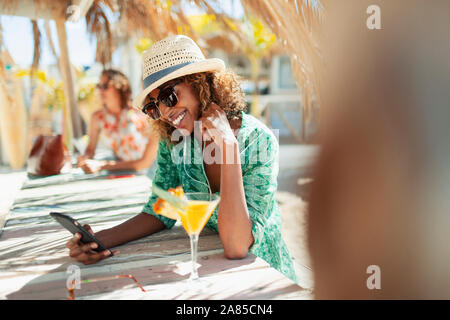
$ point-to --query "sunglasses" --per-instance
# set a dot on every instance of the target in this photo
(103, 86)
(166, 96)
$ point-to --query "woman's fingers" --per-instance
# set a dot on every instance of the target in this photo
(73, 242)
(85, 253)
(90, 258)
(85, 168)
(89, 165)
(80, 248)
(92, 166)
(214, 108)
(89, 247)
(80, 161)
(208, 130)
(88, 228)
(75, 252)
(215, 126)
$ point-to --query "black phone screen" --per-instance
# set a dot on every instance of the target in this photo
(74, 226)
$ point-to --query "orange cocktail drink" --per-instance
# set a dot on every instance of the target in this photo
(196, 215)
(193, 209)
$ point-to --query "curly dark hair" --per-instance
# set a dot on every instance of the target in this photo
(122, 85)
(222, 88)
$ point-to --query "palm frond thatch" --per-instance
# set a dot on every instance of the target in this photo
(99, 25)
(152, 19)
(297, 24)
(9, 5)
(55, 7)
(137, 16)
(159, 19)
(226, 22)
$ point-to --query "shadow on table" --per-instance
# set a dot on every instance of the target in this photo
(137, 258)
(75, 174)
(103, 285)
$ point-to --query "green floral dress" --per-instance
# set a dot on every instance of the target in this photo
(182, 164)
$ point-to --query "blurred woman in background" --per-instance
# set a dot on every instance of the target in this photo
(125, 131)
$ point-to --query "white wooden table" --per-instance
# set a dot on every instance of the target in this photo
(34, 262)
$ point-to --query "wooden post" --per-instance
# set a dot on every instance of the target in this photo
(268, 119)
(68, 82)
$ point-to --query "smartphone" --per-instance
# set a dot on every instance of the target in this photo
(74, 226)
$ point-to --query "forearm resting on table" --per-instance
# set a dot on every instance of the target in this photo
(125, 165)
(235, 228)
(88, 153)
(234, 223)
(135, 228)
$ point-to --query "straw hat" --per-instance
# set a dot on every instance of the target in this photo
(170, 58)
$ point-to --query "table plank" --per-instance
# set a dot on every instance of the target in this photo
(7, 195)
(226, 282)
(34, 260)
(223, 278)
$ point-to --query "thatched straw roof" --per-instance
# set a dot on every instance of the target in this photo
(297, 25)
(155, 20)
(34, 9)
(99, 26)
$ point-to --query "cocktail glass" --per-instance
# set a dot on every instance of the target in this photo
(199, 208)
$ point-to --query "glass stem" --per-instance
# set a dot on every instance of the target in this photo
(194, 242)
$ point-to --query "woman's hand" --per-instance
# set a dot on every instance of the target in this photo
(90, 165)
(84, 252)
(233, 222)
(215, 126)
(81, 159)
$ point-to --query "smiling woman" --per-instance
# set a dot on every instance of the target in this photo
(184, 91)
(221, 88)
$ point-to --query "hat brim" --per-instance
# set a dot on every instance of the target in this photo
(206, 65)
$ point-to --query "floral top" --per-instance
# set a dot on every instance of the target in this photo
(259, 160)
(127, 136)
